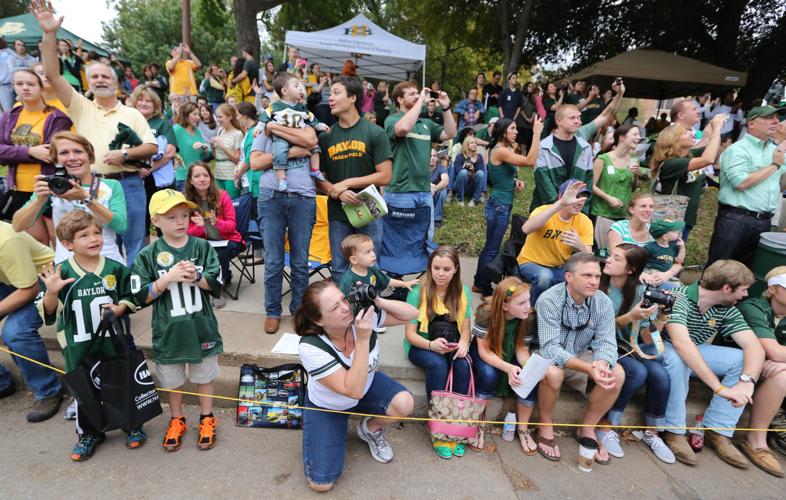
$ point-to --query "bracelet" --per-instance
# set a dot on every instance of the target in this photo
(429, 345)
(720, 388)
(151, 290)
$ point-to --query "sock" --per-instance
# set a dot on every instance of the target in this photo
(202, 417)
(183, 418)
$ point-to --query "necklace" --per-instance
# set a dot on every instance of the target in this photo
(345, 341)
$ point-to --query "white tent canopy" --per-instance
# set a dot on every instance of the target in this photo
(378, 54)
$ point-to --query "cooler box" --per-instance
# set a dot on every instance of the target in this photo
(770, 253)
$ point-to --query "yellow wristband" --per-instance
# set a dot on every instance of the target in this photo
(720, 388)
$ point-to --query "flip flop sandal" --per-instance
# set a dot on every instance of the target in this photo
(443, 449)
(551, 443)
(524, 437)
(597, 456)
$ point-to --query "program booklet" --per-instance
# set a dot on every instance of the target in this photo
(371, 207)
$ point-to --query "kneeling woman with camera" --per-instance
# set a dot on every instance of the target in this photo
(620, 281)
(74, 187)
(340, 352)
(439, 337)
(25, 134)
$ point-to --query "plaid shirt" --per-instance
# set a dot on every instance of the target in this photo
(565, 329)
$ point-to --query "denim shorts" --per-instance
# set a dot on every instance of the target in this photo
(325, 434)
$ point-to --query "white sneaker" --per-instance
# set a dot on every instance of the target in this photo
(377, 444)
(656, 444)
(471, 203)
(460, 203)
(218, 303)
(611, 441)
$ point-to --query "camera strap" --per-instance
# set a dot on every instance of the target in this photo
(94, 185)
(656, 340)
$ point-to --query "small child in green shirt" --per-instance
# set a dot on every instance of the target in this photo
(666, 254)
(358, 249)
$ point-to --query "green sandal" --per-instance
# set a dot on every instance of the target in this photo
(443, 449)
(458, 450)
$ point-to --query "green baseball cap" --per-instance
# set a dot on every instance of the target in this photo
(659, 227)
(761, 112)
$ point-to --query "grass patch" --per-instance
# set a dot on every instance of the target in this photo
(465, 227)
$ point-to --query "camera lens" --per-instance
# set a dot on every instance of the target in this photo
(59, 185)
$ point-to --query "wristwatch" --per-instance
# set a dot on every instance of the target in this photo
(125, 155)
(197, 277)
(747, 379)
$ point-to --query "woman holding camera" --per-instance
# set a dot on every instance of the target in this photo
(25, 134)
(620, 281)
(76, 188)
(440, 334)
(340, 352)
(469, 172)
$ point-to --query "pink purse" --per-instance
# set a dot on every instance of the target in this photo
(447, 405)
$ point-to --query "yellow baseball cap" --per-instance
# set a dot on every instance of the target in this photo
(163, 201)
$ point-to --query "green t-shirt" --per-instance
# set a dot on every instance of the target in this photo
(374, 277)
(413, 299)
(483, 134)
(724, 321)
(503, 182)
(352, 152)
(661, 258)
(508, 354)
(159, 126)
(80, 305)
(411, 154)
(616, 182)
(689, 184)
(185, 143)
(185, 329)
(252, 175)
(761, 318)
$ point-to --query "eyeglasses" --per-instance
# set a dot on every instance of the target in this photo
(566, 324)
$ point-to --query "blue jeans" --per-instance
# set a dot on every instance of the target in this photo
(180, 186)
(280, 153)
(637, 373)
(337, 231)
(291, 215)
(225, 255)
(474, 185)
(725, 362)
(325, 434)
(497, 217)
(136, 212)
(413, 200)
(439, 204)
(541, 278)
(487, 377)
(437, 367)
(20, 334)
(7, 97)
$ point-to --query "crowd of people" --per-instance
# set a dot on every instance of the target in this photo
(97, 158)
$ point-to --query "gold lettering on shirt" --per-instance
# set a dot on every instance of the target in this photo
(347, 149)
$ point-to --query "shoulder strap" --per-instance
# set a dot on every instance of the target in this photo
(318, 342)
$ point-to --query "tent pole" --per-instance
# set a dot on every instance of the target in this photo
(424, 74)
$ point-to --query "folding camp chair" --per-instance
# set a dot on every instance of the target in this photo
(243, 205)
(319, 256)
(405, 242)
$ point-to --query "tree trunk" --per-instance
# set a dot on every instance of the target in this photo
(186, 38)
(512, 44)
(764, 67)
(246, 21)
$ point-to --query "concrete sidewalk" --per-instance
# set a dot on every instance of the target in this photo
(257, 463)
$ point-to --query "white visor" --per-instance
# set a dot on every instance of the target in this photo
(777, 280)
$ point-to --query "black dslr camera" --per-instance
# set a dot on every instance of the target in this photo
(361, 297)
(60, 181)
(654, 296)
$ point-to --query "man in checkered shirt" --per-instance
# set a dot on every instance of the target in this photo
(576, 332)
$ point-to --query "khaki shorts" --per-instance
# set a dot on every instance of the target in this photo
(577, 380)
(173, 376)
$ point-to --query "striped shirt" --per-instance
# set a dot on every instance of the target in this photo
(566, 329)
(702, 328)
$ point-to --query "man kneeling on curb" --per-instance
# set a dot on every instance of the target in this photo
(701, 312)
(574, 318)
(765, 316)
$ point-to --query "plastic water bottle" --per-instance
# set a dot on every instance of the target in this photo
(509, 428)
(696, 438)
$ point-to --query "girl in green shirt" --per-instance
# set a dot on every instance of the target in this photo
(614, 177)
(191, 145)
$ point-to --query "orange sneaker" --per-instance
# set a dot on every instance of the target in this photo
(174, 434)
(207, 433)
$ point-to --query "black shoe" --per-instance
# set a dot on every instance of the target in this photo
(44, 409)
(8, 390)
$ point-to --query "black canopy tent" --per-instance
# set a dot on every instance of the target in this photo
(654, 74)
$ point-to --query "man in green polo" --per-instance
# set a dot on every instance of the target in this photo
(410, 139)
(751, 183)
(703, 311)
(765, 316)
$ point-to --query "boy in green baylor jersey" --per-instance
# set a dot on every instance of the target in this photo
(74, 296)
(177, 273)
